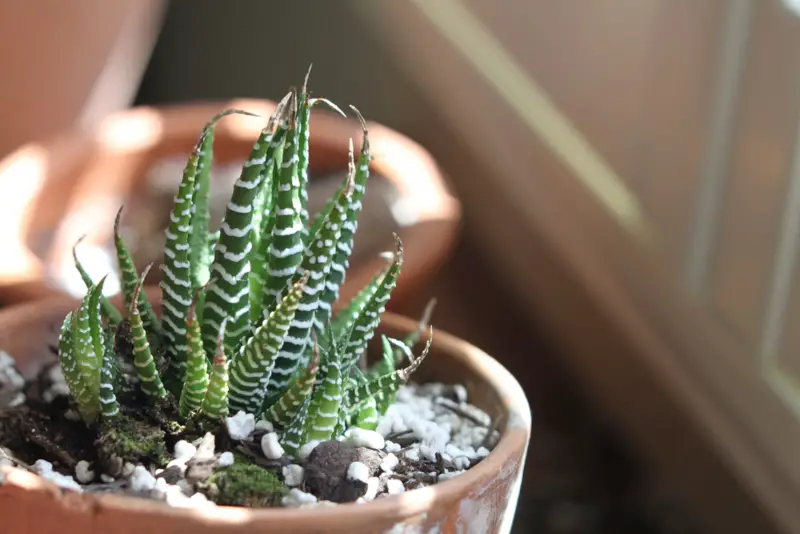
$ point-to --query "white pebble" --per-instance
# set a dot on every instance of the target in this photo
(482, 452)
(142, 480)
(45, 470)
(412, 454)
(200, 500)
(359, 437)
(5, 462)
(360, 500)
(305, 450)
(389, 462)
(83, 472)
(298, 498)
(293, 475)
(177, 462)
(241, 425)
(17, 400)
(373, 485)
(106, 479)
(72, 415)
(394, 486)
(225, 459)
(429, 453)
(461, 462)
(265, 425)
(270, 446)
(358, 471)
(161, 486)
(127, 469)
(391, 446)
(184, 449)
(460, 393)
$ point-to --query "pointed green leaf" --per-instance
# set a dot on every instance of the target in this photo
(149, 379)
(228, 290)
(215, 405)
(316, 264)
(326, 400)
(284, 410)
(130, 279)
(294, 435)
(195, 384)
(252, 367)
(88, 348)
(113, 315)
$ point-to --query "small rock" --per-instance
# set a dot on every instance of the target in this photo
(172, 474)
(429, 453)
(293, 475)
(264, 425)
(45, 470)
(460, 393)
(298, 498)
(127, 469)
(389, 462)
(412, 454)
(394, 486)
(106, 479)
(83, 472)
(225, 459)
(72, 415)
(142, 480)
(205, 448)
(373, 485)
(391, 446)
(270, 446)
(326, 472)
(200, 469)
(360, 437)
(160, 487)
(358, 471)
(5, 462)
(240, 426)
(184, 450)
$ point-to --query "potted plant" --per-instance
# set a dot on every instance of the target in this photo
(249, 403)
(71, 186)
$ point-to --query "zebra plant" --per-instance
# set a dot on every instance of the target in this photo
(247, 322)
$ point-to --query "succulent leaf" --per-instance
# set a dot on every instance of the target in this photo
(113, 315)
(88, 348)
(344, 246)
(316, 266)
(215, 405)
(370, 315)
(294, 436)
(228, 290)
(149, 379)
(130, 279)
(200, 255)
(253, 365)
(108, 379)
(176, 282)
(195, 384)
(284, 410)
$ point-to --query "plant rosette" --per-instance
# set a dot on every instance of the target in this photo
(247, 390)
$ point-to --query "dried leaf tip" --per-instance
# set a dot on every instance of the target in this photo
(314, 101)
(214, 120)
(305, 80)
(364, 129)
(416, 362)
(135, 297)
(219, 354)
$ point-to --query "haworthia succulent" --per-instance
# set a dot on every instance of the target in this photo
(113, 315)
(283, 411)
(251, 368)
(228, 291)
(176, 286)
(88, 348)
(303, 138)
(108, 379)
(200, 256)
(316, 265)
(344, 246)
(130, 279)
(195, 384)
(285, 251)
(343, 322)
(149, 379)
(366, 413)
(370, 315)
(215, 404)
(264, 215)
(327, 399)
(389, 383)
(295, 434)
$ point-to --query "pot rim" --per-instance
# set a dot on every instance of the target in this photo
(513, 441)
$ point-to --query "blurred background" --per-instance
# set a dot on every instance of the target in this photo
(628, 173)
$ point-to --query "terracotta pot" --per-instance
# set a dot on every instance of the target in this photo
(482, 500)
(73, 185)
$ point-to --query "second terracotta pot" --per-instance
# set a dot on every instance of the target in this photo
(57, 191)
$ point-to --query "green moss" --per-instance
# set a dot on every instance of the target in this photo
(133, 441)
(246, 484)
